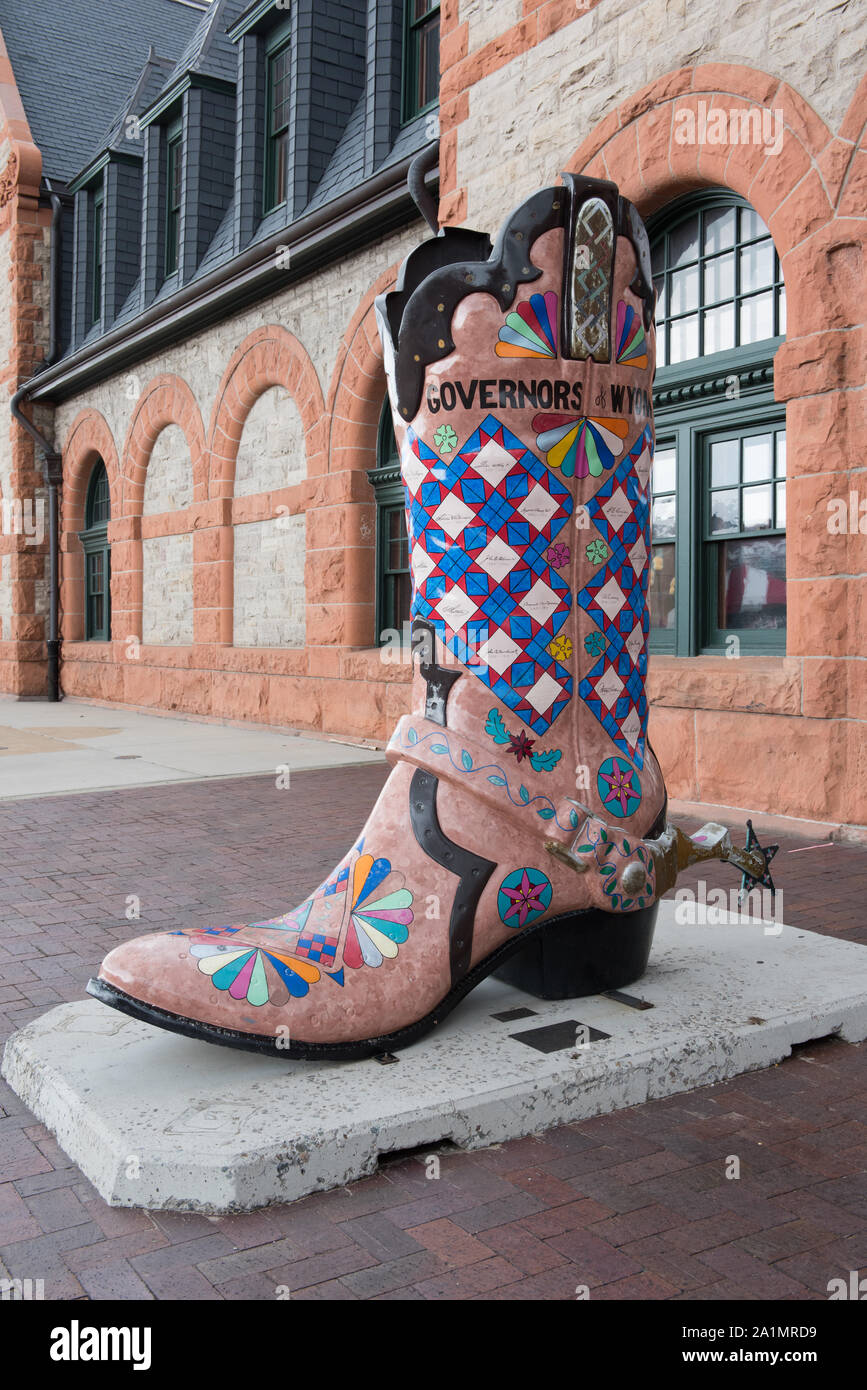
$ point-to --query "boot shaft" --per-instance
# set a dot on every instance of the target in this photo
(520, 381)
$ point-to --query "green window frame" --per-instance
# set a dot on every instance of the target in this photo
(97, 557)
(174, 183)
(96, 253)
(718, 551)
(393, 576)
(278, 54)
(421, 57)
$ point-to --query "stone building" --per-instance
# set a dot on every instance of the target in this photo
(229, 197)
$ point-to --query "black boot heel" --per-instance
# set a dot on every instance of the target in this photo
(583, 954)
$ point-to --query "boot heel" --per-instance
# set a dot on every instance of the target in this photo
(583, 954)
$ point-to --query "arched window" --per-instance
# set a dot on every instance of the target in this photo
(393, 579)
(97, 557)
(719, 492)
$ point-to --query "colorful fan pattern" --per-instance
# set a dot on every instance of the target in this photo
(531, 329)
(376, 928)
(631, 342)
(248, 972)
(579, 446)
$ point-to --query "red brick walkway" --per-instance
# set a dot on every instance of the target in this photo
(634, 1205)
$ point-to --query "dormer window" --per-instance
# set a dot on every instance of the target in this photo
(277, 57)
(173, 196)
(97, 230)
(422, 48)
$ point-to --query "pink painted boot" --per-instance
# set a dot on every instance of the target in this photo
(522, 829)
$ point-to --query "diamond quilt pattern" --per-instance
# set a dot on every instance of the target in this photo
(616, 600)
(479, 524)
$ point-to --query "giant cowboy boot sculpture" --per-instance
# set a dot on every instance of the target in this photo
(522, 829)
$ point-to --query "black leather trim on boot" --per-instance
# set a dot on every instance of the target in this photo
(439, 680)
(474, 871)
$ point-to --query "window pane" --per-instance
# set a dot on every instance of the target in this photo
(758, 453)
(753, 583)
(757, 266)
(422, 7)
(98, 612)
(684, 290)
(781, 454)
(724, 463)
(752, 225)
(659, 286)
(661, 590)
(683, 242)
(684, 339)
(280, 91)
(664, 474)
(662, 519)
(429, 63)
(280, 171)
(757, 318)
(781, 505)
(724, 511)
(661, 352)
(397, 558)
(719, 229)
(757, 508)
(719, 329)
(719, 278)
(781, 309)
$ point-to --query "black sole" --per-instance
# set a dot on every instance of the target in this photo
(579, 953)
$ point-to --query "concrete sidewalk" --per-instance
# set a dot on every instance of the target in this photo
(50, 749)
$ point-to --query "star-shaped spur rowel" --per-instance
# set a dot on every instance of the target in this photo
(767, 853)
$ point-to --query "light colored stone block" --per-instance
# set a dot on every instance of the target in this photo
(169, 477)
(270, 595)
(271, 452)
(167, 590)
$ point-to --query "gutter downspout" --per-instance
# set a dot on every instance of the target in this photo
(52, 464)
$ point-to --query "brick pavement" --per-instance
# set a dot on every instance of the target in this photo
(633, 1205)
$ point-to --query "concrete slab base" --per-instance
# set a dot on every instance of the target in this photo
(158, 1121)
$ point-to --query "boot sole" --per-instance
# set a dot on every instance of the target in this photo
(566, 957)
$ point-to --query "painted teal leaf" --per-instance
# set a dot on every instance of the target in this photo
(546, 762)
(438, 748)
(573, 818)
(466, 759)
(585, 849)
(603, 833)
(625, 846)
(497, 781)
(495, 727)
(412, 736)
(547, 813)
(524, 794)
(607, 869)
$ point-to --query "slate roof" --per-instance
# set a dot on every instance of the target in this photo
(76, 62)
(210, 51)
(151, 81)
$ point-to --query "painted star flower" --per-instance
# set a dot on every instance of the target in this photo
(445, 439)
(594, 644)
(558, 555)
(620, 786)
(560, 648)
(525, 899)
(596, 552)
(520, 745)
